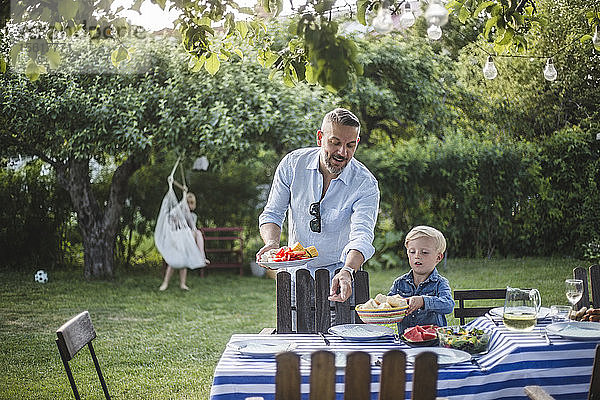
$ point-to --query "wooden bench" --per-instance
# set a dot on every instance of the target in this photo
(224, 247)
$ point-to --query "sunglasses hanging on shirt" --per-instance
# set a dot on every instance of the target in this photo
(315, 210)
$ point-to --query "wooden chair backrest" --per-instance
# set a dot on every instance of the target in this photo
(357, 380)
(461, 311)
(312, 307)
(595, 284)
(74, 334)
(581, 273)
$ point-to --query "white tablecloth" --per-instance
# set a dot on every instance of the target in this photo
(514, 360)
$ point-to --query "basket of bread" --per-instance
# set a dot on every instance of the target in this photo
(586, 314)
(383, 309)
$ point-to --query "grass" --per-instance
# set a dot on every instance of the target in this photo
(165, 345)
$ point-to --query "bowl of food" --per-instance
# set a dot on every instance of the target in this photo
(473, 340)
(382, 309)
(421, 335)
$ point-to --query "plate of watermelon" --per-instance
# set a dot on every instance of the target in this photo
(421, 335)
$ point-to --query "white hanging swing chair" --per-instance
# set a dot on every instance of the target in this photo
(175, 236)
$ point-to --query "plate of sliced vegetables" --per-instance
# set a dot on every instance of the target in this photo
(286, 264)
(289, 256)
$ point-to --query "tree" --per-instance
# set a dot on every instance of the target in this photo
(404, 91)
(116, 120)
(519, 102)
(318, 51)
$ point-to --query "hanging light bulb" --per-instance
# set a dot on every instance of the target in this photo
(383, 22)
(436, 13)
(596, 39)
(407, 19)
(434, 32)
(549, 71)
(489, 69)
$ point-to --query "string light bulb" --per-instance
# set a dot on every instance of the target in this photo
(596, 39)
(436, 13)
(434, 32)
(407, 19)
(549, 71)
(383, 22)
(489, 69)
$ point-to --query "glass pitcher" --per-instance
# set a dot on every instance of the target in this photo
(521, 308)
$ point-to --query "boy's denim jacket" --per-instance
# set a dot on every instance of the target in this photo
(437, 297)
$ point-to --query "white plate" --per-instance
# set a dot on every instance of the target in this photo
(445, 355)
(286, 264)
(499, 312)
(576, 330)
(261, 347)
(361, 332)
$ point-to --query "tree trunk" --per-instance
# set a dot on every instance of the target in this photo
(98, 225)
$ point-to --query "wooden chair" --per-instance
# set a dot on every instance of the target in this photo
(313, 309)
(581, 273)
(461, 311)
(595, 285)
(535, 392)
(357, 380)
(72, 337)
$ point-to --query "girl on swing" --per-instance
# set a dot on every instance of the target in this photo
(192, 221)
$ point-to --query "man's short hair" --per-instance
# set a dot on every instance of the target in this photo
(427, 231)
(341, 116)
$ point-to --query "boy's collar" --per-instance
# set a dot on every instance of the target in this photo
(433, 276)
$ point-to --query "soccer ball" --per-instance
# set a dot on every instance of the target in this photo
(41, 276)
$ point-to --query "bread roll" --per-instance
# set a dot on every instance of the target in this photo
(397, 301)
(369, 305)
(380, 298)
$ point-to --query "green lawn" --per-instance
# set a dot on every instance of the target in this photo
(165, 345)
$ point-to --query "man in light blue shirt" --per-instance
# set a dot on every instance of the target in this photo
(331, 199)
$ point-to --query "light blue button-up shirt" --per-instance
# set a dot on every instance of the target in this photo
(348, 209)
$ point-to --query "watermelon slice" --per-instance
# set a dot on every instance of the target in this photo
(413, 335)
(420, 333)
(428, 335)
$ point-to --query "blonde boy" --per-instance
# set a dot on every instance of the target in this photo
(428, 293)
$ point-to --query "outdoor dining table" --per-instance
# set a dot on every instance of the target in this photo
(562, 367)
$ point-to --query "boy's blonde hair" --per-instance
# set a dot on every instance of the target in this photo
(190, 196)
(427, 231)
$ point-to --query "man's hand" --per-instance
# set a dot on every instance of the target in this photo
(264, 249)
(414, 303)
(341, 282)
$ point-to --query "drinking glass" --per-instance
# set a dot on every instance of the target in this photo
(574, 291)
(559, 313)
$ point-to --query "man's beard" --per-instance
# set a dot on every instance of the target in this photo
(332, 169)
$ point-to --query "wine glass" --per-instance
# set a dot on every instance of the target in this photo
(574, 291)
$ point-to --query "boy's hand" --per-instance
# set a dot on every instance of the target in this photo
(414, 303)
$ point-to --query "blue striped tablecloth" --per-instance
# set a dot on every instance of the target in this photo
(514, 360)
